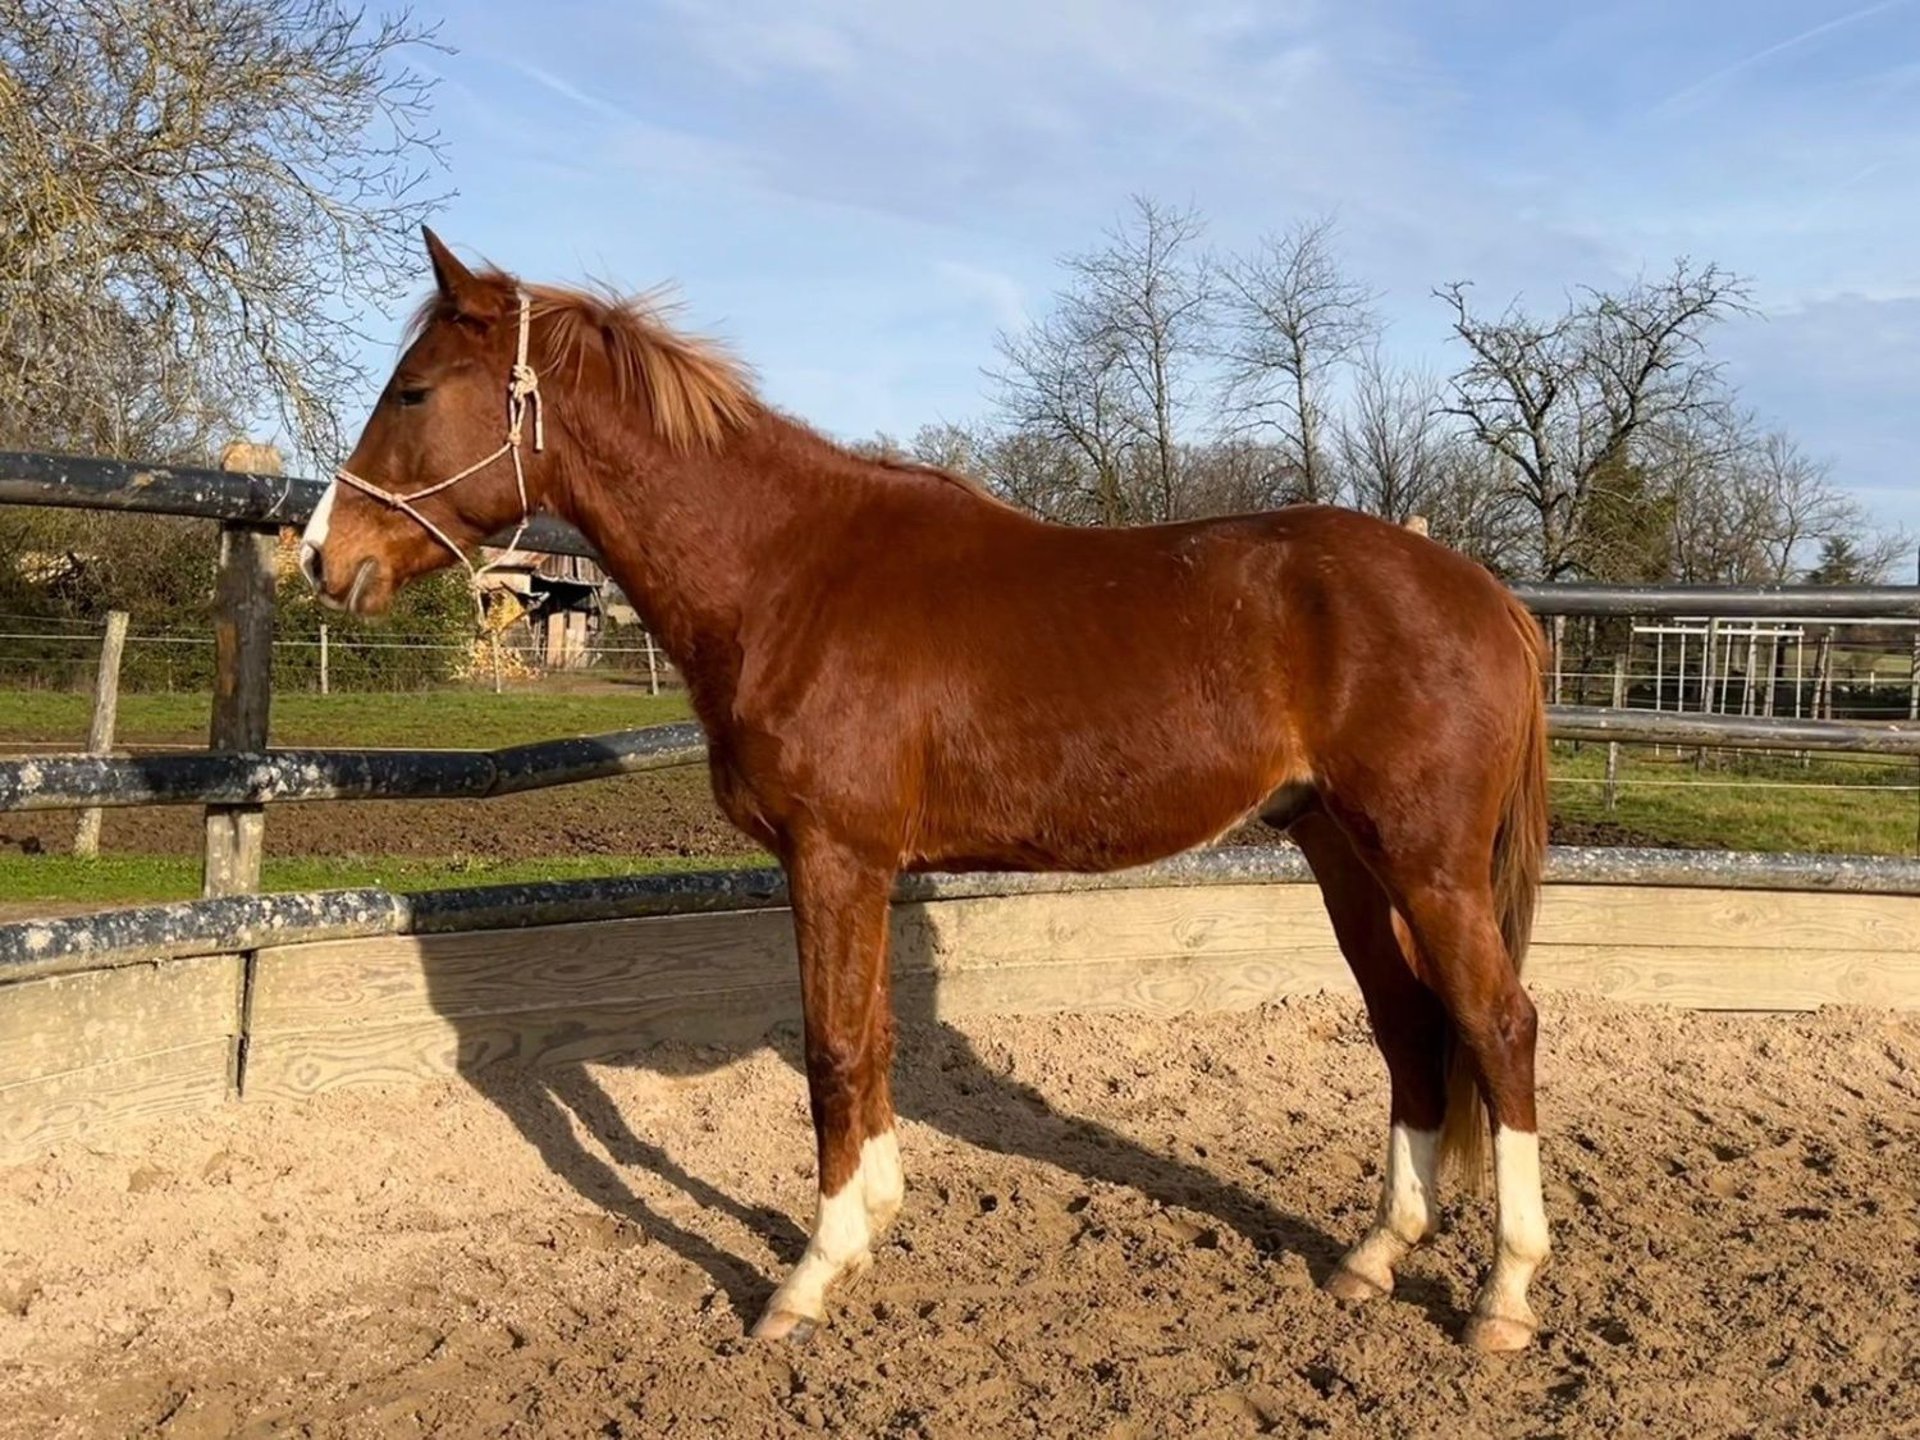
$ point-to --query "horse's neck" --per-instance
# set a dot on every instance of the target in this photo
(695, 541)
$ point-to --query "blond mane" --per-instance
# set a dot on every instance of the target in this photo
(697, 393)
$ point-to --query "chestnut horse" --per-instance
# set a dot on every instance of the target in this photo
(896, 671)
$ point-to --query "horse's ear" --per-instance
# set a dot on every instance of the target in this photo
(457, 283)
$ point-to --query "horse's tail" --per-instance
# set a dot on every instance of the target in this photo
(1519, 852)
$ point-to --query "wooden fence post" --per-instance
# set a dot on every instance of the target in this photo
(106, 702)
(653, 665)
(1613, 746)
(1913, 713)
(242, 679)
(1823, 678)
(323, 657)
(1776, 669)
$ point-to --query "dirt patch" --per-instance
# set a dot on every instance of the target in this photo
(662, 813)
(1113, 1229)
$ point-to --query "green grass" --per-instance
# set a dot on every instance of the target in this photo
(1743, 802)
(465, 719)
(140, 879)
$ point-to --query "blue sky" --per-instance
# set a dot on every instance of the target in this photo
(857, 195)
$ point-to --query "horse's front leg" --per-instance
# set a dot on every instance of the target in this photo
(840, 921)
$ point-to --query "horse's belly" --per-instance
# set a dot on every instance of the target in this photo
(1104, 823)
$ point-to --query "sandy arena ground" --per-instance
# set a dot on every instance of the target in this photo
(1113, 1229)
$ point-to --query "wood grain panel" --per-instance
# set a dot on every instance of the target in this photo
(629, 961)
(291, 1065)
(36, 1115)
(68, 1022)
(1709, 978)
(1638, 916)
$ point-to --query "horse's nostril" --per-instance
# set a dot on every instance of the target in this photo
(312, 566)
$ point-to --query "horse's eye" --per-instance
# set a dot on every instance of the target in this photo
(413, 395)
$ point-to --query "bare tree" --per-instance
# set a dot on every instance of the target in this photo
(1565, 399)
(1061, 385)
(1143, 298)
(1111, 371)
(1715, 522)
(1393, 442)
(200, 196)
(1235, 475)
(1033, 470)
(1807, 511)
(1291, 318)
(1753, 508)
(1472, 506)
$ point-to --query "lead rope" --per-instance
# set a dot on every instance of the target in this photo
(523, 395)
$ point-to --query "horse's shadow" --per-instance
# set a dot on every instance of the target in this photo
(555, 1104)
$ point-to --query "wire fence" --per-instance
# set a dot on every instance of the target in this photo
(50, 653)
(1849, 669)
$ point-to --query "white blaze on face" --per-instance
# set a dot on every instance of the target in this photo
(315, 535)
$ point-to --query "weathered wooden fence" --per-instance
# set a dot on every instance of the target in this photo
(155, 1009)
(174, 1008)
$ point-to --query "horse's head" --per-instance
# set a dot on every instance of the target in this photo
(453, 451)
(448, 456)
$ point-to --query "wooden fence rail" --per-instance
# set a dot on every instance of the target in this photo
(1731, 732)
(65, 782)
(239, 774)
(62, 782)
(151, 934)
(276, 500)
(172, 1009)
(260, 500)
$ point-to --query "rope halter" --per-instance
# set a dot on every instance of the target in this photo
(523, 396)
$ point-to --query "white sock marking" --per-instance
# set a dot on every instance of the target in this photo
(1407, 1194)
(843, 1228)
(1406, 1205)
(886, 1182)
(1523, 1213)
(1522, 1226)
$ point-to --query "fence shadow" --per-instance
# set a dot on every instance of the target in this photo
(941, 1080)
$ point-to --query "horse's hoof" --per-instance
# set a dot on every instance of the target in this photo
(1346, 1284)
(1492, 1335)
(785, 1325)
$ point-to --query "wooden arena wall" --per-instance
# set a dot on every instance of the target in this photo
(81, 1049)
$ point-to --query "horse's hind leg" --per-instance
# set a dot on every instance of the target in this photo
(1410, 1026)
(1454, 922)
